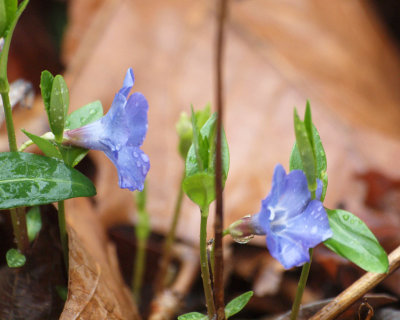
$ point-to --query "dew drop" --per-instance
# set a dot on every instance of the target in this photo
(82, 119)
(138, 164)
(314, 230)
(135, 154)
(144, 170)
(92, 111)
(346, 217)
(117, 147)
(144, 157)
(243, 240)
(67, 123)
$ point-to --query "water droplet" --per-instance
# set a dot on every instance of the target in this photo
(243, 240)
(144, 157)
(144, 170)
(346, 217)
(117, 147)
(82, 119)
(314, 230)
(59, 118)
(135, 154)
(67, 123)
(92, 111)
(138, 164)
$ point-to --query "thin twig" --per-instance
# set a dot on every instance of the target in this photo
(219, 218)
(357, 290)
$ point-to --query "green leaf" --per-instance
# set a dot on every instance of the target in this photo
(72, 155)
(84, 115)
(59, 103)
(193, 316)
(15, 259)
(354, 241)
(28, 179)
(8, 9)
(237, 304)
(33, 222)
(306, 152)
(297, 164)
(184, 129)
(200, 188)
(46, 83)
(4, 86)
(49, 148)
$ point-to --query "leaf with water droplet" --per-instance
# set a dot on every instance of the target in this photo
(59, 103)
(28, 179)
(15, 259)
(200, 189)
(296, 162)
(84, 115)
(353, 240)
(49, 148)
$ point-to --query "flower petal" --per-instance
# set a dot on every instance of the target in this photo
(132, 165)
(136, 118)
(128, 83)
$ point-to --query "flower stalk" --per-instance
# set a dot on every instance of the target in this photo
(204, 268)
(63, 232)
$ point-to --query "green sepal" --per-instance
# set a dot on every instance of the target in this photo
(4, 86)
(353, 240)
(87, 114)
(304, 145)
(33, 222)
(237, 304)
(200, 188)
(72, 155)
(296, 163)
(49, 148)
(59, 103)
(15, 259)
(193, 316)
(184, 129)
(28, 179)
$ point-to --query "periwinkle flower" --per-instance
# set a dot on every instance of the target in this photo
(119, 134)
(292, 221)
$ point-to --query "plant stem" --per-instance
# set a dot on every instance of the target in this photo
(17, 214)
(218, 256)
(300, 288)
(142, 231)
(205, 272)
(169, 240)
(63, 232)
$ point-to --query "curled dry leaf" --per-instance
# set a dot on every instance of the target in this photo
(96, 289)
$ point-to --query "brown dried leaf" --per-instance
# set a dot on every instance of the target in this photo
(96, 288)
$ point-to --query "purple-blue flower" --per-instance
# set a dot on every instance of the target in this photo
(119, 134)
(292, 221)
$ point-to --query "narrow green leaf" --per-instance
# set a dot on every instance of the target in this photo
(354, 241)
(8, 9)
(295, 162)
(46, 83)
(59, 103)
(49, 148)
(237, 304)
(33, 222)
(309, 125)
(28, 179)
(195, 145)
(193, 316)
(306, 152)
(202, 116)
(200, 188)
(15, 259)
(84, 115)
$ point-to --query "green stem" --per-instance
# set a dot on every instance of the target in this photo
(300, 288)
(63, 232)
(140, 260)
(205, 272)
(17, 214)
(169, 240)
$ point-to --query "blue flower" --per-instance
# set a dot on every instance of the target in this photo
(292, 221)
(119, 134)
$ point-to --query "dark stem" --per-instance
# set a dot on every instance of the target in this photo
(205, 271)
(219, 218)
(63, 232)
(169, 240)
